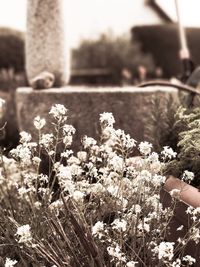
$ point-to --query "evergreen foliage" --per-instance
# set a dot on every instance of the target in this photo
(188, 146)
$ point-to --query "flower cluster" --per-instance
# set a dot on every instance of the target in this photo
(97, 207)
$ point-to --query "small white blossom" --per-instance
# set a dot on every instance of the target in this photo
(36, 160)
(64, 172)
(88, 142)
(59, 112)
(116, 163)
(24, 234)
(119, 224)
(190, 260)
(176, 263)
(78, 196)
(46, 140)
(68, 129)
(113, 190)
(9, 262)
(115, 252)
(125, 139)
(82, 156)
(158, 180)
(145, 148)
(25, 137)
(22, 153)
(37, 204)
(66, 153)
(97, 229)
(175, 193)
(136, 208)
(168, 153)
(132, 264)
(107, 118)
(67, 140)
(39, 123)
(166, 250)
(195, 234)
(188, 176)
(144, 227)
(56, 205)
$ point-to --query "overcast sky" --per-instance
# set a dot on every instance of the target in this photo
(87, 18)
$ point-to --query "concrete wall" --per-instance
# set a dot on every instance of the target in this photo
(131, 107)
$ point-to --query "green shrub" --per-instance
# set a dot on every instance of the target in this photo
(187, 122)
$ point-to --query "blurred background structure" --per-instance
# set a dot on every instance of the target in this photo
(113, 42)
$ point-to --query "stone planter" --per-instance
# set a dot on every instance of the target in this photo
(190, 196)
(131, 106)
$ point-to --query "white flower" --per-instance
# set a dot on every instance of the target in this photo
(46, 140)
(189, 259)
(88, 142)
(119, 225)
(145, 176)
(125, 139)
(116, 253)
(168, 153)
(107, 118)
(113, 190)
(82, 156)
(116, 163)
(78, 196)
(24, 233)
(166, 250)
(176, 263)
(145, 148)
(132, 264)
(143, 227)
(56, 205)
(68, 129)
(195, 234)
(66, 153)
(188, 176)
(73, 160)
(136, 208)
(67, 140)
(59, 112)
(158, 180)
(9, 262)
(25, 137)
(97, 229)
(64, 172)
(39, 123)
(36, 160)
(37, 204)
(175, 193)
(153, 157)
(22, 153)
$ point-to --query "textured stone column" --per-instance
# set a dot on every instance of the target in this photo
(46, 47)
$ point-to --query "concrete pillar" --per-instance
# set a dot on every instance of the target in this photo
(46, 46)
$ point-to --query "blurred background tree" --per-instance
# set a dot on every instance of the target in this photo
(122, 57)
